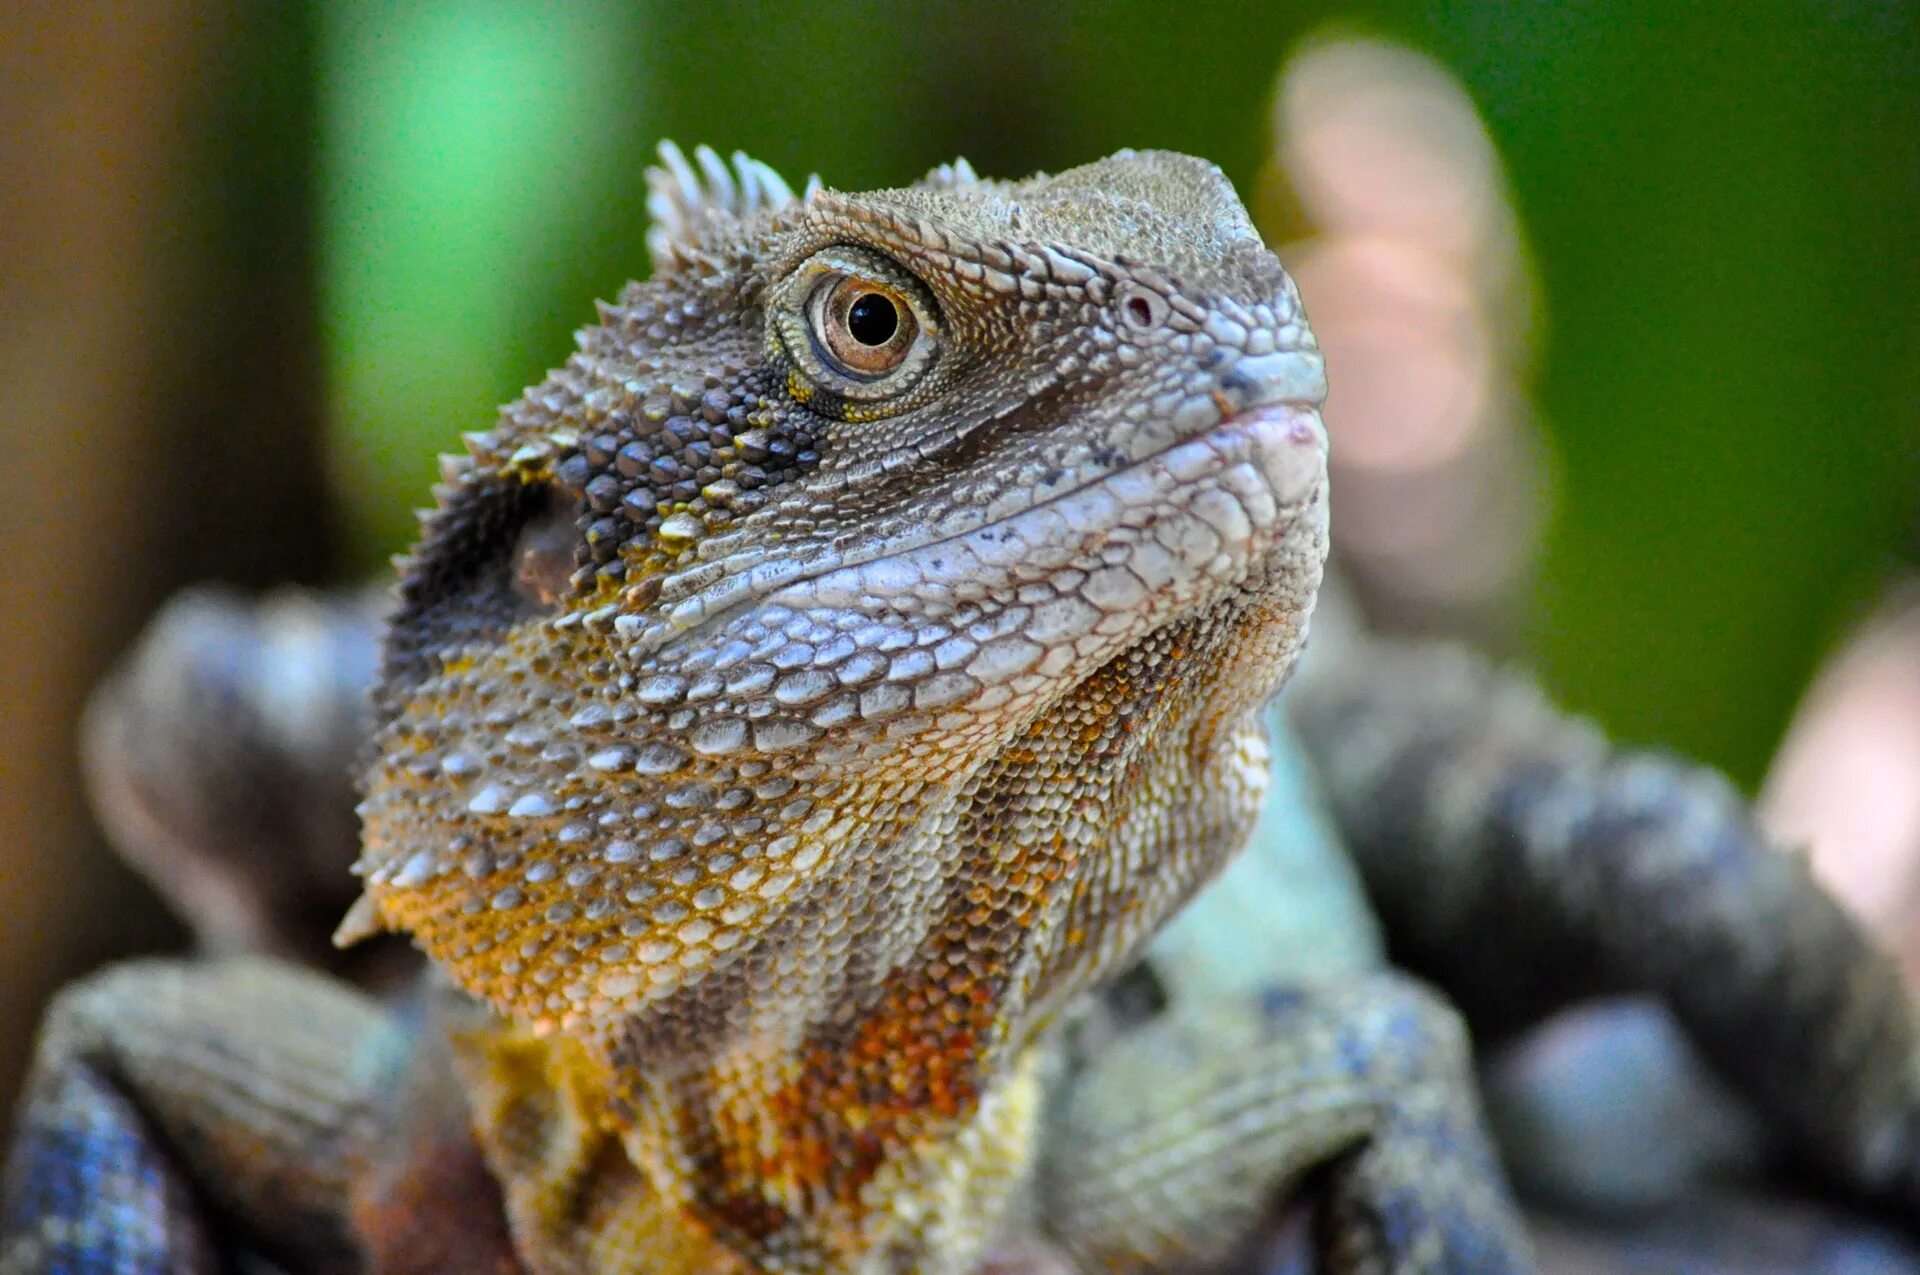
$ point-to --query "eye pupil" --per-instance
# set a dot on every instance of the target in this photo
(872, 319)
(862, 328)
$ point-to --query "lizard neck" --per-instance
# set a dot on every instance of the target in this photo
(798, 1109)
(773, 1169)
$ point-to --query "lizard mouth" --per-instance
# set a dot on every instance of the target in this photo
(1201, 511)
(1289, 445)
(1200, 507)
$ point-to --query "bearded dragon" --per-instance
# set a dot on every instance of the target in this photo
(801, 712)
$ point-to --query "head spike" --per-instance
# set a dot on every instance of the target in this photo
(770, 189)
(687, 197)
(678, 180)
(951, 176)
(362, 921)
(721, 193)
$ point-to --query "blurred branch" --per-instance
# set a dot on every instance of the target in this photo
(1408, 254)
(160, 418)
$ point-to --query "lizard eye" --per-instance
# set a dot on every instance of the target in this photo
(862, 325)
(855, 324)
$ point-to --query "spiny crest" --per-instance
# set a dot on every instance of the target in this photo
(686, 199)
(952, 176)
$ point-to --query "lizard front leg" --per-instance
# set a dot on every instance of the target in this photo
(1172, 1147)
(1523, 861)
(179, 1114)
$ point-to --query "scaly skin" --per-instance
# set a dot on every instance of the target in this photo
(880, 719)
(781, 767)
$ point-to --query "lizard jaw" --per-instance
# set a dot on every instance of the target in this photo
(1255, 440)
(1162, 537)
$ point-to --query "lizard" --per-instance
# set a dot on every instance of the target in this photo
(800, 715)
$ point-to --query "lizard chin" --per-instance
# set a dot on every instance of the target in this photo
(1289, 445)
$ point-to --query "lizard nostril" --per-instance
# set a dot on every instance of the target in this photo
(1141, 308)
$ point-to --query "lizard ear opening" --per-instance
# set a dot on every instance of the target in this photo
(688, 200)
(544, 554)
(497, 552)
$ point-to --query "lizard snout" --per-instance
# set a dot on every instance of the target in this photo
(1285, 376)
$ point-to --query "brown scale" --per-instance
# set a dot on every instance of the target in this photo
(716, 453)
(918, 1060)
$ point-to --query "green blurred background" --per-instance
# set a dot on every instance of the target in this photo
(262, 262)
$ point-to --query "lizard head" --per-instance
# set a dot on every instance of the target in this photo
(874, 534)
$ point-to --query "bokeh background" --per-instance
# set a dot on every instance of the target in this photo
(258, 263)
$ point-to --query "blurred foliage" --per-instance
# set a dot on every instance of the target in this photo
(1721, 203)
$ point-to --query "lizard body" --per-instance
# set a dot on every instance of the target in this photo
(800, 713)
(783, 832)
